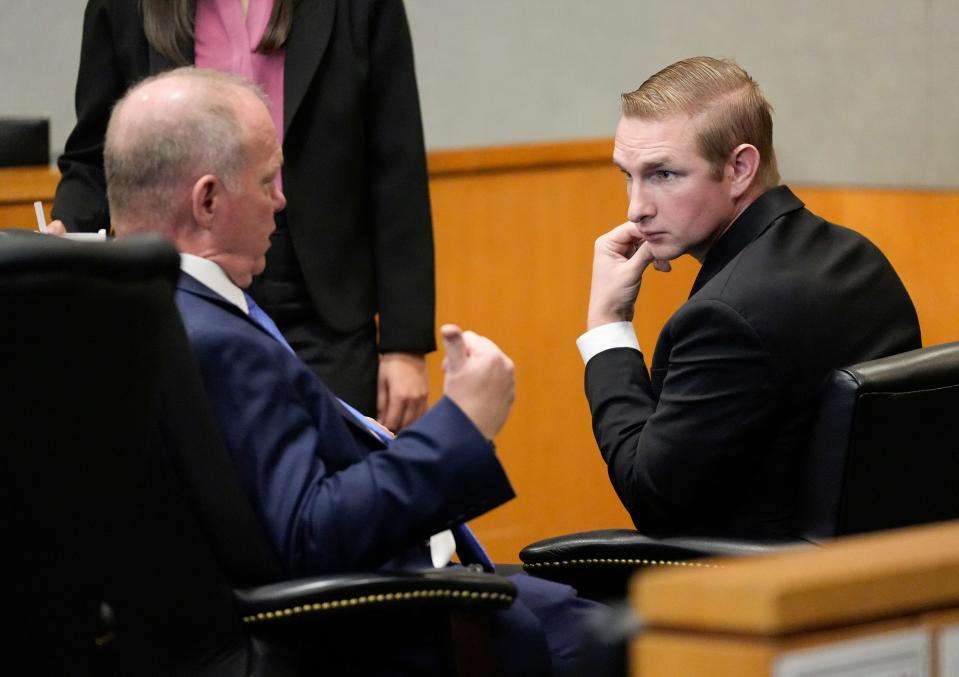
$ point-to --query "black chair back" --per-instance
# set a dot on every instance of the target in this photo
(24, 141)
(108, 441)
(884, 452)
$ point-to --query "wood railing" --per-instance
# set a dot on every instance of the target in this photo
(877, 604)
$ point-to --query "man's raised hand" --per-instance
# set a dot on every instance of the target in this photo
(479, 378)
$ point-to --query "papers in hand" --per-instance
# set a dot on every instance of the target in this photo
(99, 236)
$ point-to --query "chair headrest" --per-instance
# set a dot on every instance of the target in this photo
(24, 141)
(133, 257)
(922, 369)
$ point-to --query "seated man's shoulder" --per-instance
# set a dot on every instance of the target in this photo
(221, 336)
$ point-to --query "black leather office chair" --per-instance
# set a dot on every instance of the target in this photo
(130, 548)
(24, 141)
(884, 453)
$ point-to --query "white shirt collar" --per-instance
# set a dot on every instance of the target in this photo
(210, 274)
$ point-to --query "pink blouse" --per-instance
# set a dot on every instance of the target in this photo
(225, 41)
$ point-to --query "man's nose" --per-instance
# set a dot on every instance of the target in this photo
(640, 206)
(279, 201)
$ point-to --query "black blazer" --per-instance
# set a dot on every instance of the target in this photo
(710, 440)
(355, 169)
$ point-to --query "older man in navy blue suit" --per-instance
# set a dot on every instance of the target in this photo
(193, 155)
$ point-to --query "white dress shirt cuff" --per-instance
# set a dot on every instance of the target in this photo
(605, 337)
(442, 547)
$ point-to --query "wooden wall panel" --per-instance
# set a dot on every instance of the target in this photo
(514, 231)
(513, 252)
(513, 255)
(20, 187)
(514, 246)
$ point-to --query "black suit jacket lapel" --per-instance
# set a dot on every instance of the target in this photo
(752, 223)
(309, 38)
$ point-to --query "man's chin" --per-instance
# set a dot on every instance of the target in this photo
(254, 270)
(663, 253)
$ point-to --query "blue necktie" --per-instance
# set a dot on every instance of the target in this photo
(469, 549)
(467, 546)
(259, 316)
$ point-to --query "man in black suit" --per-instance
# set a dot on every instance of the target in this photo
(710, 439)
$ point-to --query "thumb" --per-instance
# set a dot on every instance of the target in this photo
(455, 347)
(56, 228)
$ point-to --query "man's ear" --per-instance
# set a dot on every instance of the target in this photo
(206, 199)
(744, 164)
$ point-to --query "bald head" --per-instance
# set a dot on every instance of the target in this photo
(163, 135)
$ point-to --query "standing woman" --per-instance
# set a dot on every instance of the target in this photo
(355, 243)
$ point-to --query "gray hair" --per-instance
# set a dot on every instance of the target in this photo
(155, 158)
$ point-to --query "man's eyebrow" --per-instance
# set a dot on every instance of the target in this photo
(648, 166)
(653, 165)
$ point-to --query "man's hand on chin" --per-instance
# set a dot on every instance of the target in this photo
(619, 259)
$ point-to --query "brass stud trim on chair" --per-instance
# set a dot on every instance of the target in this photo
(320, 607)
(618, 561)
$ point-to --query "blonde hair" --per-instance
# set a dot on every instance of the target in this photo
(725, 103)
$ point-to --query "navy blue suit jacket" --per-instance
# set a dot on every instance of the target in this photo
(332, 496)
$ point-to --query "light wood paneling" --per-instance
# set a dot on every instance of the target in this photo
(20, 187)
(500, 158)
(742, 616)
(514, 228)
(854, 579)
(513, 250)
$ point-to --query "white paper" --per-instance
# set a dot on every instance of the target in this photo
(949, 652)
(899, 654)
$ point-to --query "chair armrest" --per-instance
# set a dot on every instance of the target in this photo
(625, 546)
(600, 563)
(326, 596)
